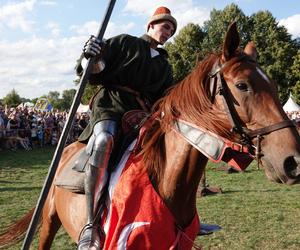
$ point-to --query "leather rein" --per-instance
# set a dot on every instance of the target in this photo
(218, 85)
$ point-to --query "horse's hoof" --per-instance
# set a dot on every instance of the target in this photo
(232, 170)
(89, 238)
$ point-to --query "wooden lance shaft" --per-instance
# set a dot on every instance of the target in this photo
(62, 141)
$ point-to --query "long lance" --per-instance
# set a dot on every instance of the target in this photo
(62, 141)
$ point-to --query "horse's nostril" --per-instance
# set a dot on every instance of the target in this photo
(292, 166)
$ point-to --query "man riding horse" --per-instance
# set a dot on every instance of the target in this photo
(223, 104)
(132, 73)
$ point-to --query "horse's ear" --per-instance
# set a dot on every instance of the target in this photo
(231, 43)
(251, 51)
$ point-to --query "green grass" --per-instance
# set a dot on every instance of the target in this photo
(22, 175)
(253, 212)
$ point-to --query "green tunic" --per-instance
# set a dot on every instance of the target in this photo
(128, 62)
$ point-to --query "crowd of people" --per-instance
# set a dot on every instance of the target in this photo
(293, 115)
(26, 128)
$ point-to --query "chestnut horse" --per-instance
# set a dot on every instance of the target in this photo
(227, 95)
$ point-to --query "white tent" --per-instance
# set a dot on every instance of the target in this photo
(83, 108)
(26, 104)
(290, 105)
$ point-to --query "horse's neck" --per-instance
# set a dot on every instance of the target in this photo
(179, 183)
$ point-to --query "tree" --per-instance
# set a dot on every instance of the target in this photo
(67, 99)
(275, 49)
(53, 98)
(184, 51)
(88, 93)
(193, 43)
(216, 27)
(34, 100)
(12, 99)
(295, 71)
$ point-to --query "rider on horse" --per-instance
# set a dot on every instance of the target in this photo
(132, 73)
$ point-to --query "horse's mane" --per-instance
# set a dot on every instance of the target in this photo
(190, 100)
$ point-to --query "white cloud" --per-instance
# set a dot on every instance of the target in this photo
(114, 29)
(91, 28)
(54, 28)
(184, 11)
(292, 24)
(14, 15)
(88, 28)
(48, 3)
(142, 7)
(34, 67)
(195, 15)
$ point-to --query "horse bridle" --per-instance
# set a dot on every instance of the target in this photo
(219, 86)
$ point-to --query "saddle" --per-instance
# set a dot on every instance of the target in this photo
(72, 176)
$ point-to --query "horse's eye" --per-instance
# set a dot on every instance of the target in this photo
(242, 86)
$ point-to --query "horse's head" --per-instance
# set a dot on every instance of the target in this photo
(226, 98)
(249, 101)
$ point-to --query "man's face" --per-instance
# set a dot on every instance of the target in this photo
(162, 31)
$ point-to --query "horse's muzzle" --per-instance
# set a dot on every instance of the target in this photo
(292, 169)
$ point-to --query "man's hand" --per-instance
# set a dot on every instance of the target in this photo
(93, 47)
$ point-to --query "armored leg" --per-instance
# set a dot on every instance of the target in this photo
(99, 148)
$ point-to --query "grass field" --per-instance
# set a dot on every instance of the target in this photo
(253, 212)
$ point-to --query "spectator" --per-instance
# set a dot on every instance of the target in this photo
(82, 123)
(54, 138)
(2, 129)
(2, 124)
(49, 125)
(34, 137)
(40, 133)
(12, 124)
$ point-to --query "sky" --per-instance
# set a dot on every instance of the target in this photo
(40, 40)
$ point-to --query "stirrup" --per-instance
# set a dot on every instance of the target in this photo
(89, 238)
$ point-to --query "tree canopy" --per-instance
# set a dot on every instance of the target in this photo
(276, 50)
(12, 99)
(295, 72)
(278, 53)
(63, 103)
(185, 50)
(215, 28)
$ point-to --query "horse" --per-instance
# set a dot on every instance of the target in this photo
(226, 98)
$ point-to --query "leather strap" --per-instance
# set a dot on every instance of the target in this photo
(271, 128)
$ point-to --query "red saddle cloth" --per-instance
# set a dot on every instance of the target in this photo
(138, 218)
